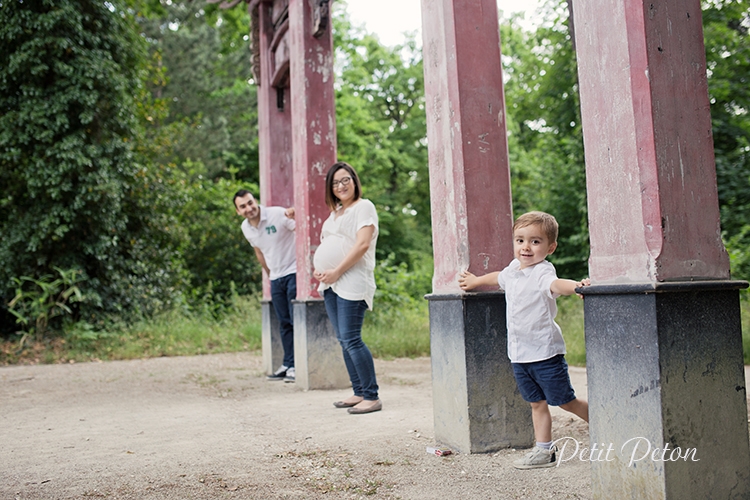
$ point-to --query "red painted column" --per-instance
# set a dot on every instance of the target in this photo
(662, 318)
(313, 134)
(477, 408)
(468, 150)
(274, 128)
(317, 354)
(649, 150)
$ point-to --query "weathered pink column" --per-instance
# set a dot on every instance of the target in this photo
(318, 359)
(476, 403)
(663, 336)
(271, 72)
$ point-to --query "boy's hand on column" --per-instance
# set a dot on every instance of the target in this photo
(584, 282)
(467, 281)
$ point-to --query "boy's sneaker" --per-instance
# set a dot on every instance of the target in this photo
(278, 374)
(537, 458)
(289, 375)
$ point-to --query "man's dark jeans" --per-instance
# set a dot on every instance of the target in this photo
(283, 292)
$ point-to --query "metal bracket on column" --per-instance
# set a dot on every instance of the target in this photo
(320, 17)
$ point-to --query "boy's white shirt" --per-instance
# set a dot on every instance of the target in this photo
(278, 245)
(533, 334)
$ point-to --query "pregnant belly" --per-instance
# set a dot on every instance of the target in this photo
(330, 253)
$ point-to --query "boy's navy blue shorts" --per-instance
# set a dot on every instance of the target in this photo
(545, 380)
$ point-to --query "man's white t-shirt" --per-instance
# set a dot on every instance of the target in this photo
(274, 236)
(533, 334)
(337, 238)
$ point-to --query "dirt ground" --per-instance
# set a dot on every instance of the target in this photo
(212, 427)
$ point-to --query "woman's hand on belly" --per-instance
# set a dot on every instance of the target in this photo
(328, 277)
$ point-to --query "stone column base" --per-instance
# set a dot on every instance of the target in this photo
(273, 351)
(318, 360)
(666, 388)
(476, 402)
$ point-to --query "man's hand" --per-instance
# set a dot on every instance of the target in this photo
(289, 212)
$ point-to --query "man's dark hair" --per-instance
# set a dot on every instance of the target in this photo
(240, 194)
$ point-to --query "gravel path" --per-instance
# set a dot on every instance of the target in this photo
(212, 427)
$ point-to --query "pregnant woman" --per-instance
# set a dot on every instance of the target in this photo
(344, 264)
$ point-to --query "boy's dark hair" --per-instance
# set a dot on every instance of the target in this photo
(331, 200)
(240, 194)
(547, 222)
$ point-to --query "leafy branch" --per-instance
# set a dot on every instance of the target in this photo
(38, 300)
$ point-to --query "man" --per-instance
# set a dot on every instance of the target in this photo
(270, 231)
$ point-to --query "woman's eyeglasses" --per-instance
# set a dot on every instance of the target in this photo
(344, 182)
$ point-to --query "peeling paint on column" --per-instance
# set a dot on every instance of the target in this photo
(643, 116)
(469, 175)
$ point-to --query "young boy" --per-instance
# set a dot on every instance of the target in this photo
(535, 344)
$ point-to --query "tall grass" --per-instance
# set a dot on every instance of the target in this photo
(390, 331)
(398, 332)
(570, 319)
(179, 332)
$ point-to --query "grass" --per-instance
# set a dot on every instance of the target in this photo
(398, 333)
(389, 332)
(175, 333)
(570, 319)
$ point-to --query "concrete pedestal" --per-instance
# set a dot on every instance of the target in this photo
(273, 351)
(318, 360)
(477, 405)
(665, 368)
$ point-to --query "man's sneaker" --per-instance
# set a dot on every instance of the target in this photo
(289, 375)
(279, 374)
(537, 458)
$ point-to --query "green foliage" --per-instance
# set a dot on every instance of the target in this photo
(381, 131)
(545, 139)
(72, 190)
(398, 332)
(202, 52)
(397, 286)
(219, 261)
(39, 301)
(725, 25)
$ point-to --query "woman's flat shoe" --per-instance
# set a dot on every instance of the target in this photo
(343, 404)
(357, 411)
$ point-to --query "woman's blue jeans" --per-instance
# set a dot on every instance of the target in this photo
(346, 317)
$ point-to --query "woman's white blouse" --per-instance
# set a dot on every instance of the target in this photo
(337, 238)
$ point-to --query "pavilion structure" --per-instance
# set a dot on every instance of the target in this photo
(662, 321)
(663, 336)
(292, 64)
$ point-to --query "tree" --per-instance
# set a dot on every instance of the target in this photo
(382, 130)
(204, 54)
(73, 191)
(545, 140)
(725, 26)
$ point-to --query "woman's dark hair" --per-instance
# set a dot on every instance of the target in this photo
(331, 200)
